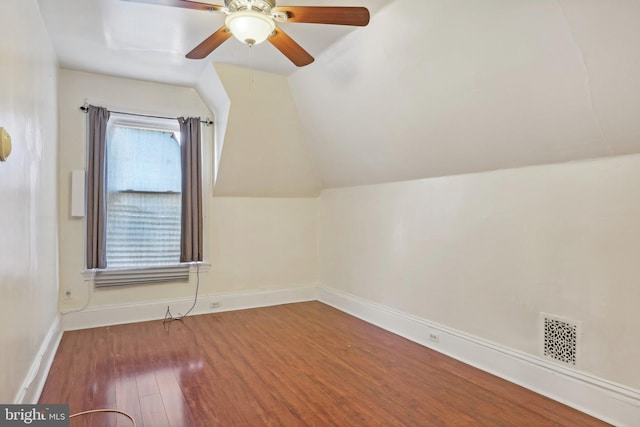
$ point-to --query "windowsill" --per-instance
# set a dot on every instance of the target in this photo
(202, 267)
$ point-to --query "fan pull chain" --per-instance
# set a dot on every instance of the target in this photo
(252, 77)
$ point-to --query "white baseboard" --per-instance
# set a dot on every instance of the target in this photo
(108, 315)
(33, 384)
(610, 402)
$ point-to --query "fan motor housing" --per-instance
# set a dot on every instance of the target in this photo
(263, 6)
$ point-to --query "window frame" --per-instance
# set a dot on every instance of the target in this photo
(169, 273)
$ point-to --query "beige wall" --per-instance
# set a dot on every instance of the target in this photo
(262, 243)
(251, 243)
(265, 151)
(486, 253)
(28, 222)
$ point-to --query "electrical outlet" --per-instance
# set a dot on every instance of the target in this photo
(214, 304)
(67, 294)
(434, 337)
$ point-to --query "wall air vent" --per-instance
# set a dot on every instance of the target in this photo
(560, 339)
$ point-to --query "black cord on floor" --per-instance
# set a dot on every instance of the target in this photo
(168, 317)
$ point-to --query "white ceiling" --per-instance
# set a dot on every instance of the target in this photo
(443, 87)
(429, 88)
(149, 42)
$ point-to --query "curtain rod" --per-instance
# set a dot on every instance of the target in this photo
(85, 109)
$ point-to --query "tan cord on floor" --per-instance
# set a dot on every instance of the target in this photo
(93, 411)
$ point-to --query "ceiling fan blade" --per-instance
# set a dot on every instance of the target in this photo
(290, 48)
(185, 4)
(358, 16)
(210, 44)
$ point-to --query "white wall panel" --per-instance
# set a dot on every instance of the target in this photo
(487, 253)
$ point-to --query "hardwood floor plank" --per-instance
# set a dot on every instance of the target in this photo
(173, 399)
(124, 374)
(153, 411)
(127, 399)
(301, 364)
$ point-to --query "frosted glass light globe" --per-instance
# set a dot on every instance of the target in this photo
(249, 26)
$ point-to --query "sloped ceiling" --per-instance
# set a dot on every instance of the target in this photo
(429, 88)
(434, 88)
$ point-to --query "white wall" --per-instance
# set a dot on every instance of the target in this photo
(28, 218)
(486, 253)
(214, 95)
(252, 244)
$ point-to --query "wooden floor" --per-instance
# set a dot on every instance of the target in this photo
(301, 364)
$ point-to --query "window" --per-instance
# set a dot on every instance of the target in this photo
(144, 198)
(143, 195)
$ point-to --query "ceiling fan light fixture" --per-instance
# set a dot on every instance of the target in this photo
(249, 26)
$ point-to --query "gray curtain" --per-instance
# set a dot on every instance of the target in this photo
(191, 235)
(96, 187)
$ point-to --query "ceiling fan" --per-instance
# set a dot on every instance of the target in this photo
(254, 21)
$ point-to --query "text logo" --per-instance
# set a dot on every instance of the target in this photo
(34, 415)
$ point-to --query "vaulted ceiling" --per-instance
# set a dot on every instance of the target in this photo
(434, 88)
(429, 88)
